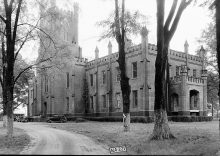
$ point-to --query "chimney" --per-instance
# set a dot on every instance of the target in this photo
(109, 48)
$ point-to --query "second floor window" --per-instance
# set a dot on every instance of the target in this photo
(46, 84)
(194, 72)
(177, 70)
(103, 76)
(134, 69)
(118, 74)
(91, 79)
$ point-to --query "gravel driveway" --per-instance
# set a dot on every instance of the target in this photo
(46, 140)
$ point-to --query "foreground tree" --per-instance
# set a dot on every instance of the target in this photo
(217, 15)
(165, 33)
(15, 32)
(123, 23)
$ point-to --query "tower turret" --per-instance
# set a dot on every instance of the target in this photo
(109, 48)
(144, 41)
(186, 50)
(96, 53)
(202, 56)
(75, 21)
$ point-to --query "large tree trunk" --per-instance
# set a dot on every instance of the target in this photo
(161, 127)
(217, 5)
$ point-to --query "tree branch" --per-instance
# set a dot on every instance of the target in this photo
(172, 30)
(170, 16)
(16, 19)
(117, 22)
(2, 18)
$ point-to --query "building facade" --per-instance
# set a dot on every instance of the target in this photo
(80, 87)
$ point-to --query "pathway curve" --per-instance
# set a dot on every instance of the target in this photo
(46, 140)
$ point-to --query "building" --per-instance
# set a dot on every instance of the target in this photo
(78, 87)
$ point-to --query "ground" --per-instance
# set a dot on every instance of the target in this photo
(16, 144)
(196, 138)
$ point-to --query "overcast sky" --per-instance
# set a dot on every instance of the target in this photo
(194, 19)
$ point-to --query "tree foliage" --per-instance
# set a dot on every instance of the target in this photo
(132, 24)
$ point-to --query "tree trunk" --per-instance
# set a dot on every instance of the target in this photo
(9, 110)
(4, 107)
(161, 127)
(4, 121)
(217, 14)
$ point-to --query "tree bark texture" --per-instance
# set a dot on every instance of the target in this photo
(165, 33)
(161, 127)
(217, 6)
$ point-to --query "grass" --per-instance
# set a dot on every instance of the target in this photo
(16, 144)
(196, 138)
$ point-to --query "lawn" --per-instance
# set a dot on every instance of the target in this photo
(196, 138)
(14, 145)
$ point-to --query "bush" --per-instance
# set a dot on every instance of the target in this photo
(190, 118)
(134, 119)
(80, 120)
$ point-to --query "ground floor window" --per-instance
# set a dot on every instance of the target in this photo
(104, 101)
(91, 102)
(135, 98)
(118, 100)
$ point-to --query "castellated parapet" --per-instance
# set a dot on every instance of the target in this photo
(152, 51)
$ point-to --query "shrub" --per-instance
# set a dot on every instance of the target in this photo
(190, 118)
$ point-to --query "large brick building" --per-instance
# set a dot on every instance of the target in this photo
(79, 87)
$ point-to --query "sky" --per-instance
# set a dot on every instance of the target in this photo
(194, 19)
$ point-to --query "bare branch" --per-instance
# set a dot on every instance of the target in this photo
(172, 30)
(16, 19)
(2, 18)
(170, 16)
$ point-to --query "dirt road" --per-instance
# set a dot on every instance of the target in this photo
(47, 140)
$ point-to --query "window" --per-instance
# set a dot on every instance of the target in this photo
(134, 69)
(46, 84)
(177, 70)
(104, 101)
(194, 72)
(91, 79)
(103, 76)
(135, 98)
(67, 80)
(67, 104)
(118, 100)
(91, 102)
(118, 74)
